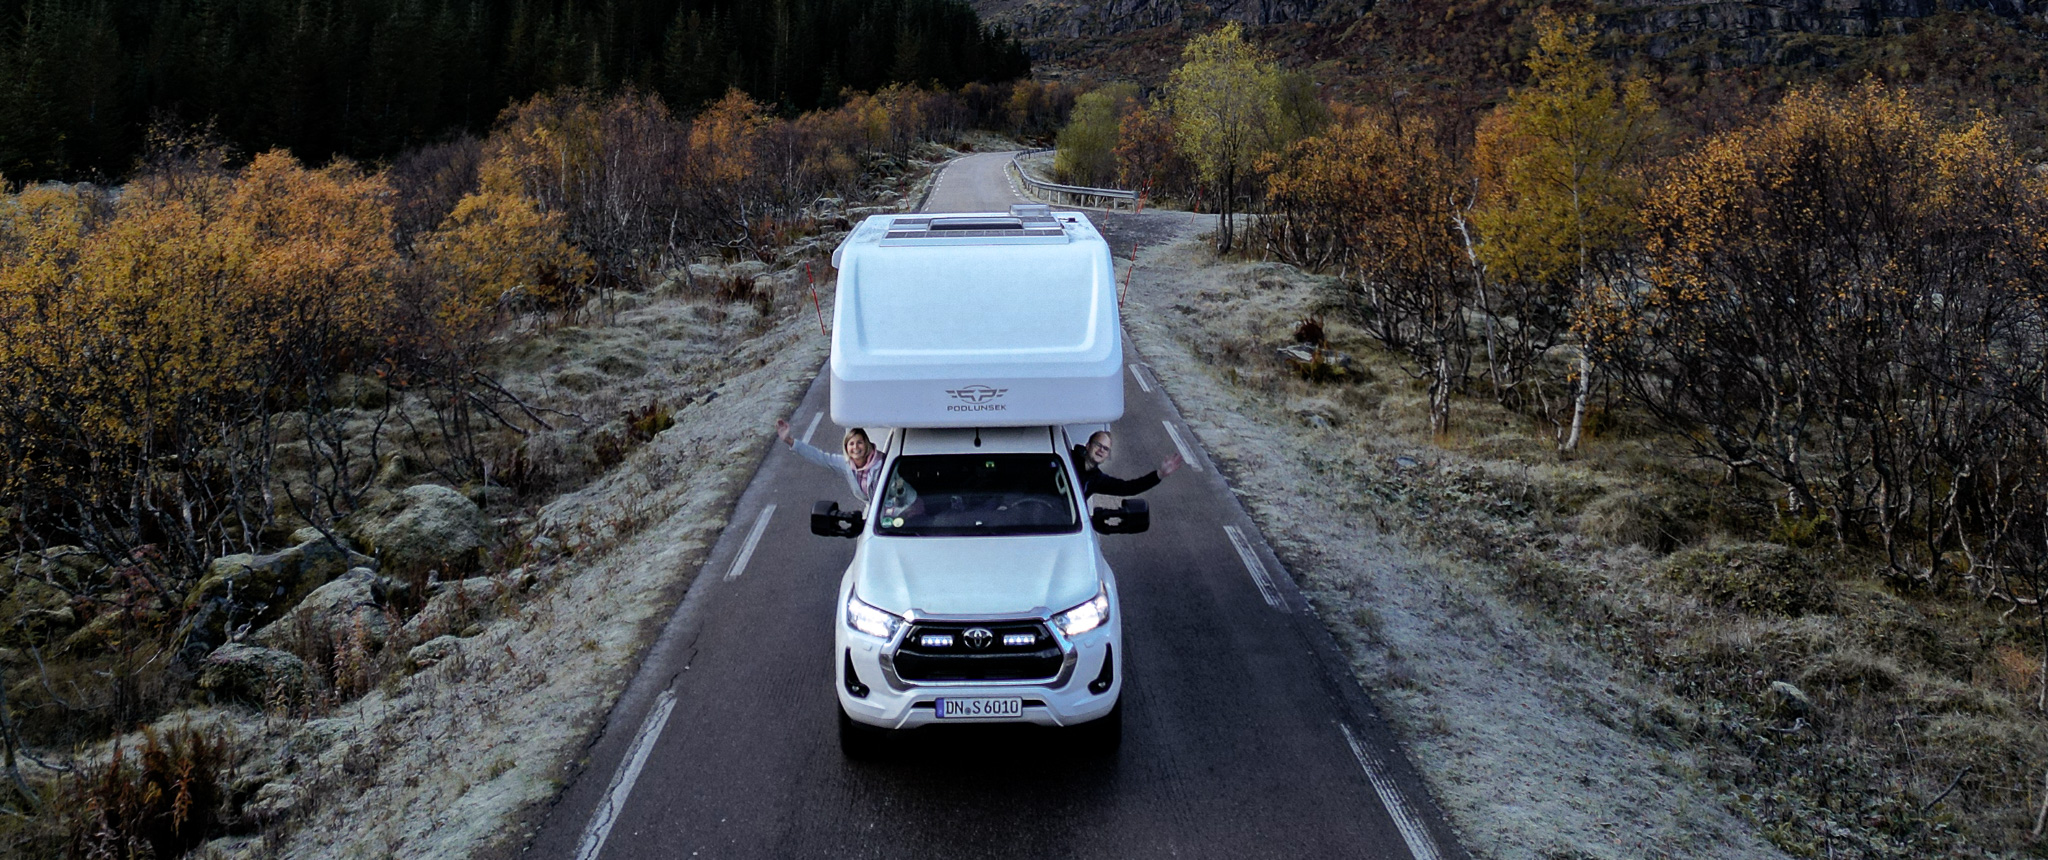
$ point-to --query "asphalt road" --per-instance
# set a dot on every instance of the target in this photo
(1244, 734)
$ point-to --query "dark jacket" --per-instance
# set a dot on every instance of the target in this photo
(1095, 480)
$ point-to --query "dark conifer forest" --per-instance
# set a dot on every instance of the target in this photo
(82, 80)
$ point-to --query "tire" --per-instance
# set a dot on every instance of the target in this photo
(859, 741)
(1103, 735)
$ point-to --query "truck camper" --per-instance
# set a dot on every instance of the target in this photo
(977, 591)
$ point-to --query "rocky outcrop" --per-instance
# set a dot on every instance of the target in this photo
(1054, 19)
(244, 592)
(1759, 33)
(252, 675)
(453, 607)
(422, 527)
(339, 611)
(1715, 33)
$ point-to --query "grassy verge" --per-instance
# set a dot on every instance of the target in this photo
(1616, 655)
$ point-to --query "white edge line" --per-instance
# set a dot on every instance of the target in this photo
(600, 827)
(1260, 576)
(1146, 386)
(814, 426)
(739, 564)
(1420, 843)
(1181, 446)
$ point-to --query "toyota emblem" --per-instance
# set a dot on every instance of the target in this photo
(979, 638)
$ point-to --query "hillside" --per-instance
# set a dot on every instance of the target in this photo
(1452, 57)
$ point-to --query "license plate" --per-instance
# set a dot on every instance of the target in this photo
(978, 709)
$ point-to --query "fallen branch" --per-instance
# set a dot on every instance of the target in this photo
(1951, 787)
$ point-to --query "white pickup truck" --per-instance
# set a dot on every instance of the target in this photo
(977, 592)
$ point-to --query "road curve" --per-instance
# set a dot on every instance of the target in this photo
(1244, 734)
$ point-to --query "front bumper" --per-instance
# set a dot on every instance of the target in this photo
(1065, 699)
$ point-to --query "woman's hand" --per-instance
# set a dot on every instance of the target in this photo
(782, 431)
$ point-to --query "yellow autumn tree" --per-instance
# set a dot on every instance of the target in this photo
(1225, 99)
(142, 340)
(497, 246)
(1377, 200)
(1560, 190)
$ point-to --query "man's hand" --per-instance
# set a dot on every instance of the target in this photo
(1171, 465)
(782, 431)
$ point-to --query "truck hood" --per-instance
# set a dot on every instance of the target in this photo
(977, 576)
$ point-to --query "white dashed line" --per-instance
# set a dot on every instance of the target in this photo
(1142, 384)
(1181, 446)
(814, 426)
(1252, 565)
(1420, 843)
(600, 827)
(739, 565)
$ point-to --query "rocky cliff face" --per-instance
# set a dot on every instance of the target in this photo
(1037, 20)
(1762, 32)
(1722, 33)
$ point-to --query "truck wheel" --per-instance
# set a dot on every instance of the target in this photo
(860, 741)
(1103, 735)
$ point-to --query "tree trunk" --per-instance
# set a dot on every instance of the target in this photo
(1579, 398)
(1224, 199)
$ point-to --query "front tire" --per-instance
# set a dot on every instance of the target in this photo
(859, 741)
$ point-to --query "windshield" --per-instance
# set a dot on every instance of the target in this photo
(977, 494)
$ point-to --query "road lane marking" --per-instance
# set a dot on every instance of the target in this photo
(1256, 568)
(739, 564)
(1420, 843)
(607, 814)
(1142, 384)
(1181, 446)
(814, 426)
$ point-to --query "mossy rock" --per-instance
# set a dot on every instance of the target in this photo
(256, 590)
(33, 612)
(421, 527)
(63, 564)
(1756, 578)
(99, 635)
(252, 675)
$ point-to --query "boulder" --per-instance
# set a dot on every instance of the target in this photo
(361, 392)
(104, 631)
(246, 673)
(432, 651)
(1788, 701)
(33, 612)
(67, 564)
(427, 526)
(333, 612)
(454, 606)
(274, 801)
(255, 590)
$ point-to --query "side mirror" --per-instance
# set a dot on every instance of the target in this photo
(1132, 517)
(827, 520)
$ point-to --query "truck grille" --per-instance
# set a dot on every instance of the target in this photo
(945, 651)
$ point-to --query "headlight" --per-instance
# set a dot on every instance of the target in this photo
(1085, 617)
(867, 619)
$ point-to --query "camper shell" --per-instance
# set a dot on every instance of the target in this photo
(976, 320)
(977, 591)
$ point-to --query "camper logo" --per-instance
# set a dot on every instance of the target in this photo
(976, 398)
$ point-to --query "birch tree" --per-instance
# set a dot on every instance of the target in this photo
(1560, 203)
(1224, 98)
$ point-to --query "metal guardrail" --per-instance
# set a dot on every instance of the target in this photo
(1070, 195)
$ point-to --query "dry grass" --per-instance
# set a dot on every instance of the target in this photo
(1582, 652)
